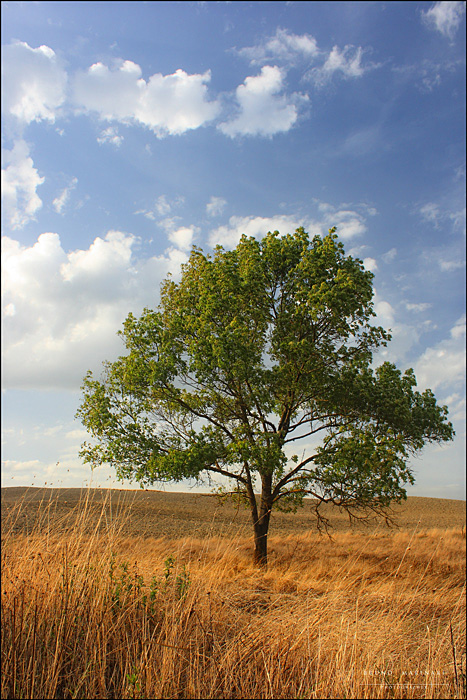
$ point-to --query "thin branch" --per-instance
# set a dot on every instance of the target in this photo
(285, 480)
(219, 470)
(204, 416)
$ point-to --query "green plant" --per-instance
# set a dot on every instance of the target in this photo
(134, 685)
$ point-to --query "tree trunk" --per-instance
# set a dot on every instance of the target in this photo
(261, 523)
(260, 519)
(260, 557)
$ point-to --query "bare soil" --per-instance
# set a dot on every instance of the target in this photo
(167, 514)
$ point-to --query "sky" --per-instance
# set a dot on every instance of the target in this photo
(132, 131)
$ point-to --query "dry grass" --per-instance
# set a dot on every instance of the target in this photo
(92, 612)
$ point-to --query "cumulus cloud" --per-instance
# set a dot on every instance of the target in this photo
(258, 226)
(166, 104)
(263, 110)
(182, 237)
(445, 17)
(370, 264)
(64, 308)
(350, 224)
(20, 180)
(33, 82)
(283, 46)
(61, 201)
(384, 312)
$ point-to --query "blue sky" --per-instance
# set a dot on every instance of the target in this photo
(132, 131)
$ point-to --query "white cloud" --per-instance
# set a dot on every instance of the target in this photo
(347, 62)
(20, 179)
(445, 17)
(389, 256)
(110, 135)
(370, 264)
(9, 310)
(257, 226)
(457, 406)
(283, 46)
(458, 219)
(349, 223)
(162, 207)
(33, 82)
(384, 312)
(215, 206)
(61, 201)
(147, 213)
(427, 74)
(404, 335)
(263, 111)
(183, 237)
(170, 104)
(450, 265)
(449, 214)
(458, 331)
(430, 212)
(357, 251)
(443, 365)
(68, 306)
(418, 308)
(104, 259)
(16, 466)
(289, 49)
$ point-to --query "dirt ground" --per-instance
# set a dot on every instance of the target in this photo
(167, 514)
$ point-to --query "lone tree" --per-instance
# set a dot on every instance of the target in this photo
(253, 351)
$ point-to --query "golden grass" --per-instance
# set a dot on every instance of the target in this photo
(90, 612)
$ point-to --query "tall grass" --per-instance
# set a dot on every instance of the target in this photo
(90, 613)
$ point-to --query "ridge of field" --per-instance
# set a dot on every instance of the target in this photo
(154, 513)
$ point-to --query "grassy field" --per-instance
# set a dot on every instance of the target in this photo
(148, 595)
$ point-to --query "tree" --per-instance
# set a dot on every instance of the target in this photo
(253, 351)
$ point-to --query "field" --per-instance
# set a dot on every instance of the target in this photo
(147, 595)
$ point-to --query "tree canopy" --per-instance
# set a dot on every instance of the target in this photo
(248, 360)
